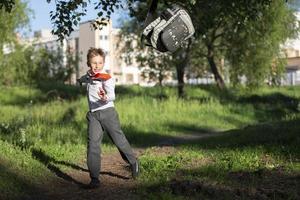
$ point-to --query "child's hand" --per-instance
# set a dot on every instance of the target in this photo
(102, 94)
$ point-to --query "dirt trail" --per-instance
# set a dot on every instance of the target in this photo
(115, 176)
(116, 183)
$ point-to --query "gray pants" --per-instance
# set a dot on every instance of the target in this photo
(99, 121)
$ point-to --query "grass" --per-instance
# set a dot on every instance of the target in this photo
(43, 134)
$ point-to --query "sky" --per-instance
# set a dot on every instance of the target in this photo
(41, 18)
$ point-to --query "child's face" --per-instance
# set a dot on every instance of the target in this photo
(96, 63)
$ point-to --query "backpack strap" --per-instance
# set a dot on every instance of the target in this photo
(151, 13)
(156, 31)
(149, 24)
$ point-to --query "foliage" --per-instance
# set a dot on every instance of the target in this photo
(255, 47)
(13, 57)
(221, 35)
(68, 14)
(141, 112)
(220, 26)
(17, 17)
(258, 133)
(51, 66)
(7, 5)
(215, 22)
(18, 66)
(26, 65)
(155, 66)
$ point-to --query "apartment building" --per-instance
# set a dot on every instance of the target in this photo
(292, 76)
(85, 37)
(291, 50)
(292, 53)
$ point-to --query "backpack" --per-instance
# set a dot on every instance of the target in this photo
(168, 31)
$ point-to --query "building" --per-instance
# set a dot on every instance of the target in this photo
(291, 51)
(292, 76)
(85, 37)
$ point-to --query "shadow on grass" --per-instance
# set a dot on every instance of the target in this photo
(275, 98)
(56, 91)
(50, 162)
(281, 137)
(274, 104)
(60, 91)
(190, 129)
(260, 184)
(15, 186)
(284, 133)
(49, 91)
(15, 131)
(52, 91)
(271, 106)
(142, 139)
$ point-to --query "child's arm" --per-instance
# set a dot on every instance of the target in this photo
(108, 91)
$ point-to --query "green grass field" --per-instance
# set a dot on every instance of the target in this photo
(257, 143)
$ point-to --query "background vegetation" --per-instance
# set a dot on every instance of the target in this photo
(255, 132)
(239, 143)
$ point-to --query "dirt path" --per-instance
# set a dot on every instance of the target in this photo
(115, 176)
(116, 181)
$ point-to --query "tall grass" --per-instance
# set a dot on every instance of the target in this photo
(40, 126)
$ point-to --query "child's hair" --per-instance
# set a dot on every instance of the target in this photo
(94, 52)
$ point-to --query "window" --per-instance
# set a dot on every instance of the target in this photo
(129, 78)
(103, 37)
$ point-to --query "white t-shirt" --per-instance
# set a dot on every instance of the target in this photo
(93, 98)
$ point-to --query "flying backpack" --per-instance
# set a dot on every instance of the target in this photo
(168, 31)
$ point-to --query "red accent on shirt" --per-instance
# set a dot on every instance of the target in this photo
(102, 76)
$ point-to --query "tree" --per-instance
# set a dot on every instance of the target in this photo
(68, 13)
(217, 21)
(13, 15)
(7, 5)
(15, 66)
(155, 66)
(51, 66)
(213, 21)
(255, 47)
(16, 18)
(153, 63)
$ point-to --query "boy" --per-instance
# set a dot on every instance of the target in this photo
(103, 116)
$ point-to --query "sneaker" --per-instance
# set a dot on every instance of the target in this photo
(135, 170)
(95, 183)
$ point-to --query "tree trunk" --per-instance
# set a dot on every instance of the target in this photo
(180, 78)
(218, 78)
(182, 63)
